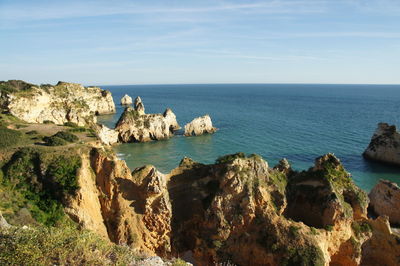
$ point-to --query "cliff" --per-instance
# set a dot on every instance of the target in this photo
(385, 200)
(199, 126)
(64, 102)
(384, 145)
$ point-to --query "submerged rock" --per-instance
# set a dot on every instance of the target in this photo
(384, 145)
(385, 200)
(135, 126)
(126, 100)
(64, 102)
(199, 126)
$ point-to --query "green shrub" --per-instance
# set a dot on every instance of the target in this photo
(230, 157)
(63, 245)
(77, 129)
(48, 122)
(54, 141)
(32, 132)
(9, 137)
(41, 185)
(70, 124)
(67, 136)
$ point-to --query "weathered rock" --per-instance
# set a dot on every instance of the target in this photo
(64, 102)
(199, 126)
(383, 248)
(384, 145)
(106, 135)
(139, 106)
(126, 100)
(132, 209)
(283, 166)
(385, 200)
(136, 127)
(325, 195)
(3, 222)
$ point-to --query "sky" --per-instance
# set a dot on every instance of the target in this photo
(174, 42)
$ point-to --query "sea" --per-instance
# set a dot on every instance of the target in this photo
(299, 122)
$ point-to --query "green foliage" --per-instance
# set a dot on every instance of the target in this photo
(48, 122)
(32, 132)
(63, 245)
(6, 88)
(77, 129)
(9, 137)
(41, 185)
(54, 141)
(296, 256)
(361, 227)
(179, 262)
(60, 138)
(329, 228)
(294, 231)
(71, 124)
(230, 157)
(67, 136)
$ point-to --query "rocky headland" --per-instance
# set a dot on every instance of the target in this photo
(384, 145)
(199, 126)
(61, 103)
(64, 192)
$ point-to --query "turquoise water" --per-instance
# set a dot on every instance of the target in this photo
(299, 122)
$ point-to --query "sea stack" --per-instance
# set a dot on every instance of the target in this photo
(126, 100)
(139, 106)
(199, 126)
(136, 126)
(384, 145)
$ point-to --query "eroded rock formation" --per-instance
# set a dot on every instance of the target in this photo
(135, 126)
(199, 126)
(126, 100)
(64, 102)
(139, 106)
(385, 200)
(384, 145)
(106, 135)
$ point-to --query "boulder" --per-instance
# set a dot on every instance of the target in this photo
(199, 126)
(385, 200)
(135, 126)
(126, 100)
(64, 102)
(384, 145)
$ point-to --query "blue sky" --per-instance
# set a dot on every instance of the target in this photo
(157, 42)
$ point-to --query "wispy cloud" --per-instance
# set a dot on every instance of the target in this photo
(75, 9)
(344, 34)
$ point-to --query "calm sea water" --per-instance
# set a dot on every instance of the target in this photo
(299, 122)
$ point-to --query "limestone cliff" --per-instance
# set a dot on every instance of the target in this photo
(64, 102)
(132, 209)
(384, 145)
(135, 126)
(199, 126)
(385, 200)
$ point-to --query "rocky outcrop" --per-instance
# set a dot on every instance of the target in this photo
(126, 100)
(134, 126)
(64, 102)
(132, 209)
(383, 247)
(139, 106)
(384, 145)
(3, 222)
(106, 135)
(199, 126)
(385, 200)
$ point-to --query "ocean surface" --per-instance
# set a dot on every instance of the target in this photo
(298, 122)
